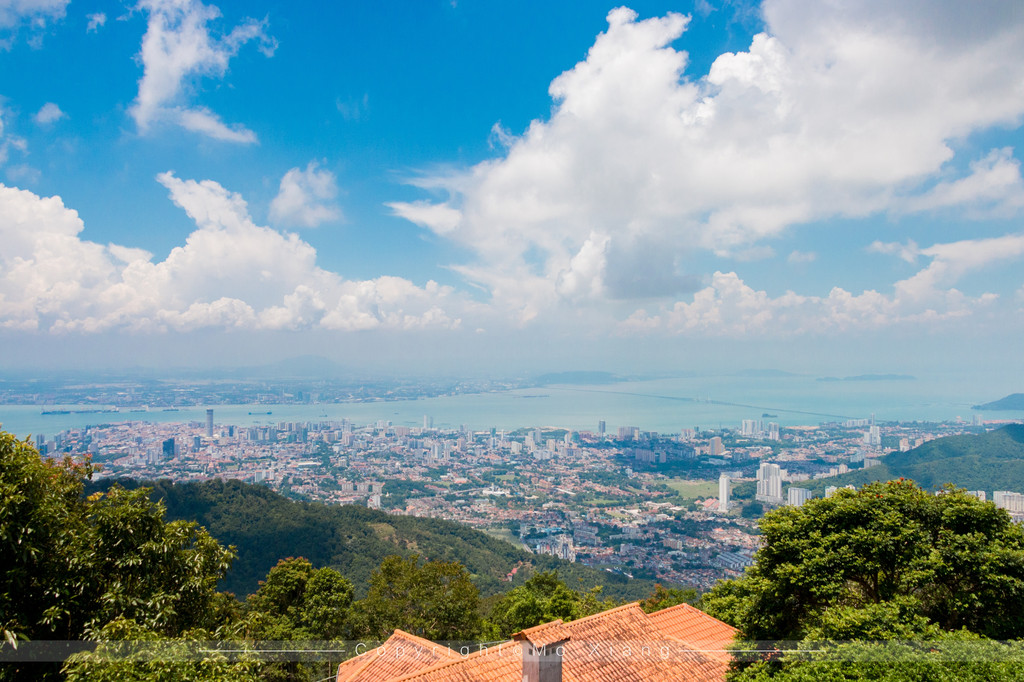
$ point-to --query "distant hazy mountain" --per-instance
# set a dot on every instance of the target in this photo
(578, 378)
(304, 366)
(1014, 401)
(265, 526)
(989, 461)
(765, 373)
(872, 377)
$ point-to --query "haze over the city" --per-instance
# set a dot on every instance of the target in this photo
(460, 185)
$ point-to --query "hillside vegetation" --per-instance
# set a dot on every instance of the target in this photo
(1014, 401)
(989, 461)
(266, 527)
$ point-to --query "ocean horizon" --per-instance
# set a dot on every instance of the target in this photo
(659, 405)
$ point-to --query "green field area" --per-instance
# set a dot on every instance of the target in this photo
(691, 490)
(504, 534)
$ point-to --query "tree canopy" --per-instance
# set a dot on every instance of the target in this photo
(72, 563)
(543, 597)
(434, 600)
(886, 562)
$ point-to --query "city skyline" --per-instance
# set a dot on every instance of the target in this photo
(443, 186)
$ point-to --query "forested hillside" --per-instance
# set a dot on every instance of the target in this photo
(265, 527)
(989, 461)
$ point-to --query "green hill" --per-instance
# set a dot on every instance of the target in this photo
(989, 461)
(1014, 401)
(265, 526)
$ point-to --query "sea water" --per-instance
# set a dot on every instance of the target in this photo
(660, 405)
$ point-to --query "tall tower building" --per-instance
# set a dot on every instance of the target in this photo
(723, 493)
(209, 423)
(601, 428)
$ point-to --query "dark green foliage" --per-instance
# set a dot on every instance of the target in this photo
(752, 510)
(71, 564)
(960, 561)
(265, 527)
(435, 600)
(132, 653)
(887, 562)
(542, 598)
(297, 601)
(948, 657)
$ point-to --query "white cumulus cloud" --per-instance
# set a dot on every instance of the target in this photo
(728, 306)
(305, 197)
(832, 112)
(177, 50)
(229, 273)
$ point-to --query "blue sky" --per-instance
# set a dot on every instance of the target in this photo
(501, 187)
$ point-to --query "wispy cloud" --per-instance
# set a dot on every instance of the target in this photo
(177, 49)
(36, 14)
(96, 22)
(49, 113)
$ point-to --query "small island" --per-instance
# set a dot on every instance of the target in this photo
(1014, 401)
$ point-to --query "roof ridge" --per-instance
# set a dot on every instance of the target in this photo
(400, 634)
(539, 627)
(457, 659)
(422, 641)
(690, 609)
(596, 616)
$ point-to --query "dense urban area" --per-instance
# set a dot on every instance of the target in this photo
(681, 508)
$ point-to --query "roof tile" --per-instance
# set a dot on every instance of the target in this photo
(618, 645)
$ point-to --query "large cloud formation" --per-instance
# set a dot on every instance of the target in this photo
(230, 273)
(837, 110)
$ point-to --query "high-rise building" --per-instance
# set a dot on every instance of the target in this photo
(601, 428)
(428, 421)
(723, 493)
(797, 496)
(209, 423)
(169, 448)
(716, 447)
(1010, 501)
(751, 427)
(769, 483)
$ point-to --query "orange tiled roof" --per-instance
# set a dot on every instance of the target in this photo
(544, 634)
(621, 644)
(400, 655)
(696, 628)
